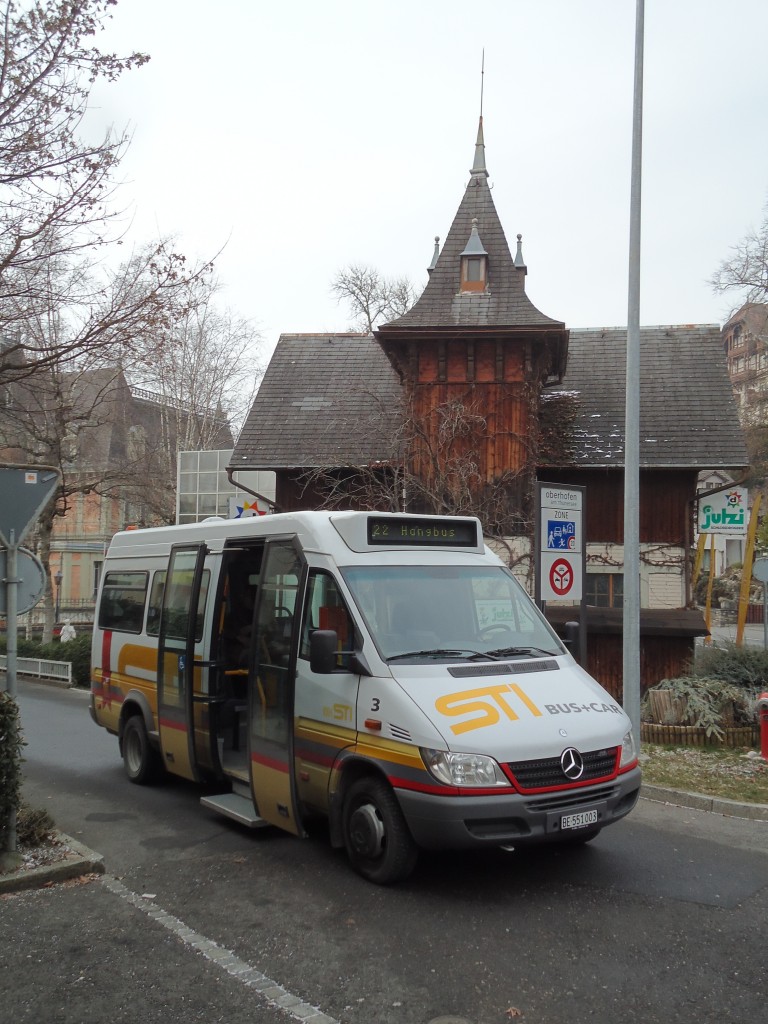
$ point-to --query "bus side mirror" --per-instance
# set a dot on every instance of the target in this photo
(571, 634)
(323, 651)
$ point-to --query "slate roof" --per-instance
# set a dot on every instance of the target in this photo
(504, 304)
(688, 415)
(333, 400)
(326, 400)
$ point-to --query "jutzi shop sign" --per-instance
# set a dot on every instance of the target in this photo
(724, 512)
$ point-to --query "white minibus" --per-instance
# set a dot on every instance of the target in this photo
(384, 670)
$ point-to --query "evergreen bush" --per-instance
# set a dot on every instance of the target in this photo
(706, 702)
(77, 651)
(741, 666)
(11, 742)
(34, 826)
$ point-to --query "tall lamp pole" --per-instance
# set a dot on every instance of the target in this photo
(631, 645)
(58, 578)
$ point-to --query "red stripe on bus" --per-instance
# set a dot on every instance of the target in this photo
(106, 656)
(270, 762)
(168, 723)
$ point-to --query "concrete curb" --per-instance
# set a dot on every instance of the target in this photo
(714, 804)
(80, 861)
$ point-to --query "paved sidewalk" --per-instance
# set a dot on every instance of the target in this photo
(754, 635)
(80, 953)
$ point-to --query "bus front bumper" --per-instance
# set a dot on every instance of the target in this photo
(515, 819)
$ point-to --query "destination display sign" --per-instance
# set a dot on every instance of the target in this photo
(422, 532)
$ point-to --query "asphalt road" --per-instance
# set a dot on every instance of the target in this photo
(664, 917)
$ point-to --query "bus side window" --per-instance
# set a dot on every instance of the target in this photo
(122, 601)
(325, 609)
(155, 603)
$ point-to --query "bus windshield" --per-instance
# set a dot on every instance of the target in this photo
(435, 612)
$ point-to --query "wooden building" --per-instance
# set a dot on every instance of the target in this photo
(534, 400)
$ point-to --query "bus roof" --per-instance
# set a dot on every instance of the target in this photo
(317, 531)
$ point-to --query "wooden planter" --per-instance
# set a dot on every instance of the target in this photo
(696, 736)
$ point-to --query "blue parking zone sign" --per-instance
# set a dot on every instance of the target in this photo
(561, 535)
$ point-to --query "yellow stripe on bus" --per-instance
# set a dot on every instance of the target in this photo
(390, 750)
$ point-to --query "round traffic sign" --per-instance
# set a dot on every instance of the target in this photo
(760, 570)
(561, 576)
(31, 576)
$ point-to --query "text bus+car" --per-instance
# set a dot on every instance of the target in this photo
(384, 670)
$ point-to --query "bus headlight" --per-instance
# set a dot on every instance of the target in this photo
(628, 752)
(457, 769)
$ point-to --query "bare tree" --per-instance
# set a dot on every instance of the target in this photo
(430, 466)
(55, 184)
(75, 406)
(71, 310)
(210, 363)
(203, 381)
(745, 273)
(372, 298)
(746, 270)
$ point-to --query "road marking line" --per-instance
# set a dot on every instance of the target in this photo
(239, 969)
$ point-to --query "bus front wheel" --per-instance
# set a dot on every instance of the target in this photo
(139, 758)
(378, 842)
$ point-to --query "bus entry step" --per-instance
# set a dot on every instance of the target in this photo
(240, 808)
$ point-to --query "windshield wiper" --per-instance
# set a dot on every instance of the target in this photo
(508, 652)
(440, 652)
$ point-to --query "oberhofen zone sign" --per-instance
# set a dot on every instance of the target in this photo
(561, 551)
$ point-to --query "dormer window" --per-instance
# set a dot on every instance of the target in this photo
(474, 263)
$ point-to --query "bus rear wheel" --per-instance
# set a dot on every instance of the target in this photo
(378, 842)
(140, 760)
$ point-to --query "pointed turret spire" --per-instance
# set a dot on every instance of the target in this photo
(477, 279)
(435, 254)
(478, 166)
(519, 261)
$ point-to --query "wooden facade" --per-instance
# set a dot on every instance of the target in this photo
(666, 503)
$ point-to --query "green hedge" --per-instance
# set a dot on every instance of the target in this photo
(77, 651)
(11, 742)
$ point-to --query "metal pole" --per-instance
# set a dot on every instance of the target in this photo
(58, 578)
(631, 696)
(765, 616)
(12, 604)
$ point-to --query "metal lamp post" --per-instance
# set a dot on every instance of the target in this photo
(58, 578)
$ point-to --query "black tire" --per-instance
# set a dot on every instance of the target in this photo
(378, 842)
(140, 760)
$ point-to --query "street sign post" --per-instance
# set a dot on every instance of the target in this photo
(31, 580)
(24, 493)
(760, 572)
(561, 551)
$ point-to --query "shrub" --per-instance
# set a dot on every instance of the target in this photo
(77, 651)
(11, 742)
(706, 702)
(741, 666)
(34, 827)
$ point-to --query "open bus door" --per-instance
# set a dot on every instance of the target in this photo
(273, 685)
(181, 623)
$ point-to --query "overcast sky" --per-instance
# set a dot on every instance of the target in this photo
(309, 135)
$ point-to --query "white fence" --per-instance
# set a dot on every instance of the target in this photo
(41, 668)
